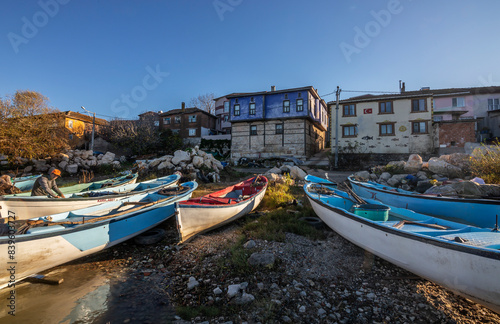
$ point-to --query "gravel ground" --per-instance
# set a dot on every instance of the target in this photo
(328, 281)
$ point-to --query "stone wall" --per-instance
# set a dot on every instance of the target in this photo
(300, 138)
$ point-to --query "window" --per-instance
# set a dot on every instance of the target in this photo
(386, 129)
(493, 104)
(418, 105)
(437, 118)
(175, 131)
(166, 120)
(279, 128)
(70, 124)
(70, 136)
(300, 104)
(385, 107)
(178, 119)
(419, 127)
(192, 132)
(299, 94)
(237, 110)
(286, 106)
(253, 130)
(192, 119)
(226, 118)
(226, 106)
(252, 108)
(157, 123)
(458, 102)
(349, 110)
(349, 131)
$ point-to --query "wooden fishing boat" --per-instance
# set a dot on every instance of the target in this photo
(478, 212)
(459, 257)
(202, 214)
(25, 206)
(30, 246)
(25, 183)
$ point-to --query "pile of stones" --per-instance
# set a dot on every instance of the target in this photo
(188, 162)
(445, 175)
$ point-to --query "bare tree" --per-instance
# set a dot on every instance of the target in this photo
(29, 128)
(204, 102)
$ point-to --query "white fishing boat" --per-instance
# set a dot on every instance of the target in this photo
(202, 214)
(459, 257)
(25, 206)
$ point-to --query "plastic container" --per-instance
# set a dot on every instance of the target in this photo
(373, 212)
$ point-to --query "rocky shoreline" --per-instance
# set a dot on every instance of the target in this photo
(309, 281)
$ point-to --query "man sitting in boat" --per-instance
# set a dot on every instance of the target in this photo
(46, 186)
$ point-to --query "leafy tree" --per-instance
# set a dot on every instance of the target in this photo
(29, 128)
(204, 102)
(141, 137)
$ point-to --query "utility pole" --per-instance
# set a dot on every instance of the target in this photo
(93, 129)
(337, 128)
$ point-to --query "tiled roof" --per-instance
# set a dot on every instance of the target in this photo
(185, 111)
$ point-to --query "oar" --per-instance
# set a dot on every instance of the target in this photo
(96, 219)
(404, 222)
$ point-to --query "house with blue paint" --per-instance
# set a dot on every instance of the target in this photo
(289, 122)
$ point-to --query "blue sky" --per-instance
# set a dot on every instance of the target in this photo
(120, 58)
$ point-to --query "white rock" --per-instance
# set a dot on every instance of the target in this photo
(62, 165)
(297, 173)
(72, 168)
(385, 176)
(414, 164)
(233, 290)
(363, 174)
(274, 170)
(164, 165)
(180, 156)
(192, 283)
(197, 161)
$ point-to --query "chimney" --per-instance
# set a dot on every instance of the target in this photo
(183, 106)
(273, 88)
(401, 87)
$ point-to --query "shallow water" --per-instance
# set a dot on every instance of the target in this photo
(95, 295)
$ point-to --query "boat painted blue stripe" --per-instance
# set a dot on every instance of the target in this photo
(89, 239)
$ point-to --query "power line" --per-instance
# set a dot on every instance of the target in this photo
(364, 91)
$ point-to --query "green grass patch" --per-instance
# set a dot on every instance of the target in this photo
(273, 226)
(485, 163)
(236, 262)
(278, 195)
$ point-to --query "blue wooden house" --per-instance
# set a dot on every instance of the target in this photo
(289, 122)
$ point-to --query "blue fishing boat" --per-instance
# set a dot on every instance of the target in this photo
(478, 212)
(45, 242)
(25, 206)
(462, 258)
